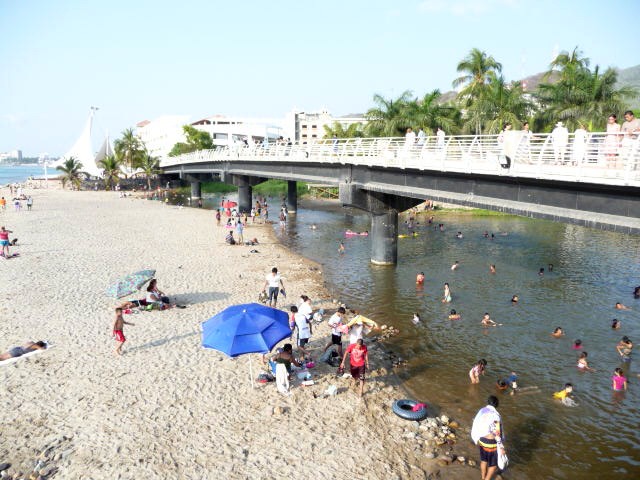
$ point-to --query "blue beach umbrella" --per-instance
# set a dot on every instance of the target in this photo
(246, 328)
(130, 283)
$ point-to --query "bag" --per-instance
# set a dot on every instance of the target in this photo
(340, 372)
(503, 460)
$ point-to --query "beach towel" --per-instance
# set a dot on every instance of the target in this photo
(282, 378)
(9, 361)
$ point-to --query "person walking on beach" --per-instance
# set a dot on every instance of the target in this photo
(486, 432)
(4, 241)
(118, 330)
(239, 231)
(29, 203)
(273, 282)
(3, 204)
(304, 329)
(359, 362)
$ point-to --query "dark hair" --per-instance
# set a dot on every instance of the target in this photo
(360, 341)
(557, 329)
(294, 309)
(304, 298)
(41, 344)
(578, 342)
(287, 348)
(341, 310)
(584, 355)
(628, 112)
(626, 339)
(118, 309)
(452, 312)
(614, 116)
(618, 371)
(274, 270)
(614, 322)
(151, 284)
(493, 401)
(568, 385)
(482, 362)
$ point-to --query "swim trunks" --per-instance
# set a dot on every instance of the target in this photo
(17, 352)
(358, 372)
(119, 335)
(4, 242)
(488, 451)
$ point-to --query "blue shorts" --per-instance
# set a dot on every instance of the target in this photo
(273, 293)
(4, 243)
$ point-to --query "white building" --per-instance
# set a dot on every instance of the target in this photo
(228, 131)
(161, 134)
(12, 155)
(309, 126)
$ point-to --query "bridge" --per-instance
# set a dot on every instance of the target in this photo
(590, 179)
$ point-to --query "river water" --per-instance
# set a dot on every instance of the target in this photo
(592, 270)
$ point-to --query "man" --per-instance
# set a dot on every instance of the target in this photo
(486, 432)
(359, 362)
(273, 282)
(630, 126)
(421, 137)
(560, 138)
(409, 139)
(440, 135)
(304, 329)
(335, 322)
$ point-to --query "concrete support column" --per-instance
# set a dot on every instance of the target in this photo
(384, 237)
(195, 190)
(292, 196)
(245, 197)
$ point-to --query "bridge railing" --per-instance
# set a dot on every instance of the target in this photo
(596, 157)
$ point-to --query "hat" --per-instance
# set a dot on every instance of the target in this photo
(559, 124)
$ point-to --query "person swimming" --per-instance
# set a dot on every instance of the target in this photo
(583, 364)
(416, 318)
(492, 268)
(541, 271)
(510, 381)
(577, 345)
(615, 324)
(558, 332)
(514, 299)
(636, 292)
(420, 278)
(459, 235)
(455, 265)
(453, 315)
(487, 322)
(624, 348)
(620, 306)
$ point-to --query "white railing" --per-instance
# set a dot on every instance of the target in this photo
(593, 157)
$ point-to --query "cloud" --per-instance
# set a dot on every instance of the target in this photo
(463, 7)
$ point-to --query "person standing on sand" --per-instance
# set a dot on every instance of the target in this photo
(273, 282)
(118, 330)
(239, 231)
(4, 241)
(3, 204)
(336, 324)
(218, 217)
(29, 203)
(359, 362)
(486, 432)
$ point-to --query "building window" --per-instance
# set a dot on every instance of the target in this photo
(314, 136)
(314, 126)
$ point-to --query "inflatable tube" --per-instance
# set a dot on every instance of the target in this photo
(362, 319)
(349, 233)
(364, 234)
(404, 409)
(403, 236)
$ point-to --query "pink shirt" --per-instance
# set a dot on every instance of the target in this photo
(618, 382)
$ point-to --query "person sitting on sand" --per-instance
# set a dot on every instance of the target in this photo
(283, 361)
(620, 306)
(453, 315)
(229, 238)
(156, 297)
(14, 352)
(558, 332)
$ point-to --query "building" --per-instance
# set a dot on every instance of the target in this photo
(13, 155)
(229, 131)
(160, 135)
(308, 127)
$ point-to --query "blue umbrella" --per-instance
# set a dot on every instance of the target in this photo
(247, 328)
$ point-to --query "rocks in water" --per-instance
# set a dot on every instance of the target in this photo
(472, 463)
(454, 425)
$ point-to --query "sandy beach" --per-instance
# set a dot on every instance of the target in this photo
(168, 408)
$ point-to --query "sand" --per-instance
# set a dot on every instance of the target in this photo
(168, 408)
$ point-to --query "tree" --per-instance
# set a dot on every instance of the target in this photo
(195, 140)
(430, 113)
(129, 148)
(111, 166)
(149, 166)
(500, 103)
(388, 117)
(354, 130)
(71, 170)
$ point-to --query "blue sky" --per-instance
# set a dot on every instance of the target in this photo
(139, 59)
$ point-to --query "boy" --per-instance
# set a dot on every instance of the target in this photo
(118, 333)
(565, 393)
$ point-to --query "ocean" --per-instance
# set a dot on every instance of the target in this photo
(20, 173)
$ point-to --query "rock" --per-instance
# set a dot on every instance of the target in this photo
(461, 459)
(429, 455)
(445, 458)
(278, 410)
(454, 425)
(415, 425)
(472, 463)
(444, 419)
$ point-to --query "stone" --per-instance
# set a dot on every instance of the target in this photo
(461, 459)
(472, 463)
(415, 424)
(444, 419)
(454, 425)
(429, 455)
(446, 458)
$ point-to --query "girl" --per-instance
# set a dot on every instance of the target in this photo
(577, 345)
(619, 382)
(447, 294)
(558, 332)
(582, 363)
(477, 370)
(420, 278)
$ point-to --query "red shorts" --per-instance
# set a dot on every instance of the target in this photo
(119, 336)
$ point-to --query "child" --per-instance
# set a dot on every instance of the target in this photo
(487, 322)
(455, 265)
(582, 363)
(619, 381)
(420, 278)
(416, 318)
(558, 332)
(577, 345)
(453, 315)
(446, 294)
(341, 248)
(477, 370)
(118, 332)
(565, 393)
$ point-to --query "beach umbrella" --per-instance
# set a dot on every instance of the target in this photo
(244, 329)
(130, 283)
(229, 204)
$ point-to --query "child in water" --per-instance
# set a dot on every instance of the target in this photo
(477, 370)
(416, 318)
(619, 382)
(577, 345)
(453, 315)
(341, 248)
(615, 324)
(583, 364)
(420, 278)
(558, 332)
(447, 294)
(564, 393)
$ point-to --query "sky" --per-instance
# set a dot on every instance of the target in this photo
(140, 59)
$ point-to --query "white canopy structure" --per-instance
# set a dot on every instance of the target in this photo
(82, 150)
(105, 150)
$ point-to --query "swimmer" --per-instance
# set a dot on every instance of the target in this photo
(416, 318)
(565, 392)
(550, 267)
(514, 299)
(510, 381)
(620, 306)
(583, 364)
(341, 248)
(619, 382)
(455, 265)
(447, 294)
(485, 234)
(459, 235)
(615, 324)
(624, 348)
(477, 370)
(487, 322)
(453, 315)
(636, 292)
(420, 278)
(492, 268)
(558, 332)
(577, 345)
(541, 271)
(313, 226)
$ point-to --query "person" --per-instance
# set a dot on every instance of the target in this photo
(612, 141)
(3, 203)
(336, 324)
(341, 248)
(17, 204)
(273, 282)
(492, 268)
(541, 272)
(447, 294)
(619, 382)
(29, 203)
(619, 306)
(579, 145)
(157, 297)
(283, 361)
(631, 126)
(118, 330)
(510, 381)
(440, 138)
(218, 217)
(14, 352)
(514, 299)
(359, 362)
(615, 324)
(564, 393)
(416, 318)
(409, 139)
(420, 278)
(4, 241)
(560, 139)
(455, 265)
(421, 137)
(636, 292)
(304, 306)
(459, 235)
(239, 231)
(487, 434)
(357, 326)
(283, 220)
(304, 329)
(550, 267)
(477, 370)
(487, 321)
(624, 348)
(558, 332)
(583, 364)
(229, 238)
(453, 315)
(577, 344)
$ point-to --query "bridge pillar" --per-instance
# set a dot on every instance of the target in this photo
(195, 190)
(292, 196)
(383, 209)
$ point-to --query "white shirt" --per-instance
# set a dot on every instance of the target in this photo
(305, 309)
(335, 322)
(484, 423)
(273, 280)
(410, 138)
(303, 325)
(355, 333)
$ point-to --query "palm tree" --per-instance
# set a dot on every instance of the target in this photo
(111, 165)
(388, 117)
(500, 103)
(129, 148)
(430, 113)
(149, 166)
(354, 130)
(71, 169)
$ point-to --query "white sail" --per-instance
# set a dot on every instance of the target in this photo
(82, 151)
(105, 150)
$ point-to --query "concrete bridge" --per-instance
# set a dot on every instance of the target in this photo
(591, 179)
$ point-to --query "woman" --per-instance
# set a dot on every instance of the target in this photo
(558, 332)
(624, 348)
(283, 361)
(304, 307)
(612, 141)
(156, 297)
(26, 348)
(477, 370)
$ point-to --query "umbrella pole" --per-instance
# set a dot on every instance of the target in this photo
(251, 372)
